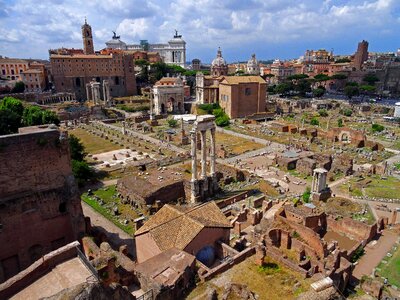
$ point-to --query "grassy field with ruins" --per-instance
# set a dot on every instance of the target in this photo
(236, 145)
(373, 187)
(270, 282)
(391, 269)
(93, 144)
(104, 200)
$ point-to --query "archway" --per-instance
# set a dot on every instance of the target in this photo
(162, 108)
(171, 104)
(344, 137)
(179, 106)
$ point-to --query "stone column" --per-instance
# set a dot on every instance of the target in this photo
(87, 91)
(203, 155)
(193, 143)
(104, 92)
(212, 153)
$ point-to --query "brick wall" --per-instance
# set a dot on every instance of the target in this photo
(40, 208)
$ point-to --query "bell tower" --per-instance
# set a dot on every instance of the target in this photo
(87, 38)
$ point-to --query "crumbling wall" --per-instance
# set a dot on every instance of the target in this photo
(352, 228)
(40, 206)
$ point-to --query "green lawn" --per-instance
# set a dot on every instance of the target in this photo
(391, 270)
(379, 188)
(108, 196)
(93, 144)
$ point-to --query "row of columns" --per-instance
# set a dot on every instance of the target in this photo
(58, 98)
(93, 92)
(203, 173)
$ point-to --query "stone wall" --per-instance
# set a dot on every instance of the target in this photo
(40, 208)
(353, 229)
(37, 269)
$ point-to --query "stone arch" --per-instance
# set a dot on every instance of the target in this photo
(179, 106)
(162, 108)
(171, 104)
(345, 137)
(35, 252)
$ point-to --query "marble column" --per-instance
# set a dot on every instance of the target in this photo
(87, 91)
(212, 152)
(193, 144)
(203, 155)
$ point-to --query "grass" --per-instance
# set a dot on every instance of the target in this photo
(272, 281)
(379, 188)
(107, 195)
(391, 270)
(93, 144)
(236, 145)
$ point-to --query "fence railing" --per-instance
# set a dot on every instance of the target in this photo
(86, 262)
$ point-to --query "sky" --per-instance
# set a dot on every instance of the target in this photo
(269, 28)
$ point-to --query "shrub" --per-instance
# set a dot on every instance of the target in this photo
(377, 128)
(346, 112)
(306, 195)
(81, 171)
(340, 122)
(314, 121)
(172, 122)
(323, 113)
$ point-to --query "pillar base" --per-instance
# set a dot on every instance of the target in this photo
(321, 196)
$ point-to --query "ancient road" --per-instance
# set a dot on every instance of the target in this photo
(116, 236)
(374, 254)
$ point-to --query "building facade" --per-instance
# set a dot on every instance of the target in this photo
(167, 96)
(242, 96)
(71, 71)
(11, 68)
(172, 53)
(207, 88)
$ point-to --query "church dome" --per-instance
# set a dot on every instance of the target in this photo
(252, 62)
(219, 60)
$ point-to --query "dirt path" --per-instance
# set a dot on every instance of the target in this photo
(374, 254)
(116, 236)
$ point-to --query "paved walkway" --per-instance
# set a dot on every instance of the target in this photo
(116, 236)
(374, 254)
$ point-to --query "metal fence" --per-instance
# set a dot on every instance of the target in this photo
(146, 296)
(87, 263)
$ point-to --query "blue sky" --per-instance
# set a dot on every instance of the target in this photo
(270, 28)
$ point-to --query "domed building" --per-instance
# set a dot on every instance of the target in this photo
(219, 67)
(253, 67)
(116, 43)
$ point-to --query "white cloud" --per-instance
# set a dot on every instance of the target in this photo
(236, 25)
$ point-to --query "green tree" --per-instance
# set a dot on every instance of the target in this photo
(339, 76)
(306, 195)
(303, 86)
(10, 121)
(323, 113)
(283, 88)
(367, 89)
(340, 122)
(19, 87)
(32, 116)
(81, 171)
(377, 128)
(314, 121)
(342, 60)
(12, 104)
(371, 79)
(351, 91)
(318, 92)
(50, 117)
(346, 112)
(172, 122)
(76, 148)
(297, 77)
(144, 70)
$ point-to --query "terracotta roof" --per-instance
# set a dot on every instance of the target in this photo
(242, 79)
(174, 226)
(76, 56)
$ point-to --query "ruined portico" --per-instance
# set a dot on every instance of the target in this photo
(319, 188)
(207, 185)
(93, 92)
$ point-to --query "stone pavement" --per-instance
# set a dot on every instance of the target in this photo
(115, 236)
(65, 275)
(375, 253)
